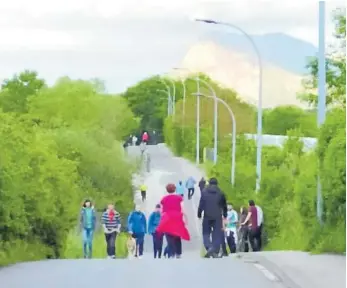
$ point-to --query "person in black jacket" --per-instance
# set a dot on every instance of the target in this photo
(214, 205)
(202, 184)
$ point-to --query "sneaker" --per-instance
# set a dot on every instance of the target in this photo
(113, 257)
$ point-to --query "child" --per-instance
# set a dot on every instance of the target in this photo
(137, 225)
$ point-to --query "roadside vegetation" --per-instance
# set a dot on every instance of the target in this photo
(289, 174)
(59, 145)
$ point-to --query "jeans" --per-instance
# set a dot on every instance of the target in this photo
(140, 240)
(175, 245)
(87, 235)
(255, 238)
(190, 193)
(231, 242)
(157, 244)
(212, 227)
(223, 244)
(111, 243)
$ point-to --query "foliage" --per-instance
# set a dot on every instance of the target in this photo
(148, 101)
(335, 69)
(60, 144)
(282, 119)
(73, 248)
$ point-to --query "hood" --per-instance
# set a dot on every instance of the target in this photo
(212, 189)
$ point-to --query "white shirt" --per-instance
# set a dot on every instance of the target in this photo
(260, 215)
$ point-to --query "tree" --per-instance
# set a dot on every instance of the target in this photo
(16, 90)
(335, 69)
(282, 119)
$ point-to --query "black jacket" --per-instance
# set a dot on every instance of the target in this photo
(202, 184)
(212, 203)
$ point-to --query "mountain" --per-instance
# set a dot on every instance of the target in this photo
(279, 49)
(238, 71)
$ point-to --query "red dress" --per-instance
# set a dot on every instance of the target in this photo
(171, 221)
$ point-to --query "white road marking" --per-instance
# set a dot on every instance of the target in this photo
(266, 272)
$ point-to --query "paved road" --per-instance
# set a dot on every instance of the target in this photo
(261, 270)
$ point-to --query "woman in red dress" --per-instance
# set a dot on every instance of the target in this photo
(172, 223)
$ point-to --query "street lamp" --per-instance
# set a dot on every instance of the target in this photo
(233, 144)
(321, 94)
(169, 106)
(197, 159)
(213, 92)
(260, 96)
(173, 93)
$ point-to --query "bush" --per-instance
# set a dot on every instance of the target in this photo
(289, 186)
(60, 145)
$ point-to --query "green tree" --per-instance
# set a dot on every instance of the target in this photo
(335, 68)
(16, 90)
(282, 119)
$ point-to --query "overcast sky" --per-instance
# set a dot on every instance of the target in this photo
(142, 33)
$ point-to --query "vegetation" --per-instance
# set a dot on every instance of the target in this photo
(58, 145)
(289, 175)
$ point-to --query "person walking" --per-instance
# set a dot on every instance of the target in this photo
(259, 236)
(173, 221)
(111, 223)
(180, 189)
(202, 184)
(137, 226)
(143, 190)
(243, 230)
(134, 140)
(153, 222)
(252, 220)
(190, 185)
(87, 220)
(145, 137)
(231, 228)
(214, 207)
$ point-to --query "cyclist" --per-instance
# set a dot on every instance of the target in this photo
(143, 189)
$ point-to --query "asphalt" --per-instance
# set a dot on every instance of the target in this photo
(261, 270)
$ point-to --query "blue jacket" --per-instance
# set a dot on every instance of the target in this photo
(84, 220)
(137, 222)
(180, 189)
(153, 222)
(190, 182)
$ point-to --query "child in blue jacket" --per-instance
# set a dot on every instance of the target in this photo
(137, 227)
(153, 223)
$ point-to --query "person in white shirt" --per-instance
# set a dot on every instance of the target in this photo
(260, 220)
(231, 229)
(134, 140)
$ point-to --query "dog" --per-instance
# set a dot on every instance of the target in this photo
(131, 246)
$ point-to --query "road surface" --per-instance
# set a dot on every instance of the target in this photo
(261, 270)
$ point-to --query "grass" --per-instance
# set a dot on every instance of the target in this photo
(20, 251)
(74, 249)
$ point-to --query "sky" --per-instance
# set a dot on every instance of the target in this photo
(137, 36)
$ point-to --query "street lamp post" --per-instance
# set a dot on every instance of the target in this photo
(260, 96)
(233, 144)
(168, 101)
(213, 92)
(173, 98)
(169, 96)
(321, 94)
(215, 120)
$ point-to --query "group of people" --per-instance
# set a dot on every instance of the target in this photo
(221, 226)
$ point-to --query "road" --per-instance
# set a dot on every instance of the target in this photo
(261, 270)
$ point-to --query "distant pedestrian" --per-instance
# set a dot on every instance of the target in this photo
(243, 230)
(153, 222)
(145, 137)
(137, 226)
(190, 185)
(180, 189)
(88, 220)
(202, 184)
(260, 218)
(214, 208)
(134, 140)
(111, 222)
